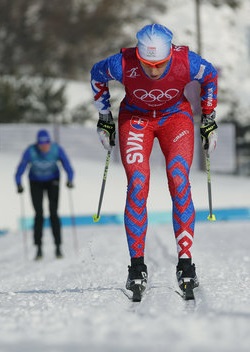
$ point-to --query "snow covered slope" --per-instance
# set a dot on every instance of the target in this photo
(78, 303)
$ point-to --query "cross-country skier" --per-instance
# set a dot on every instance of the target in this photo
(154, 75)
(44, 177)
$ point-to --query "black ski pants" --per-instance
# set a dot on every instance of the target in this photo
(37, 190)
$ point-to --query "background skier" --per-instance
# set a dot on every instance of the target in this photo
(44, 176)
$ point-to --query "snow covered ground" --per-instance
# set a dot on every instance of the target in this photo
(79, 303)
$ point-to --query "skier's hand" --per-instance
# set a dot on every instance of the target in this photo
(208, 131)
(20, 189)
(106, 130)
(69, 184)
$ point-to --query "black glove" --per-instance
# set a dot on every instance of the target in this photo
(20, 189)
(106, 130)
(207, 131)
(69, 184)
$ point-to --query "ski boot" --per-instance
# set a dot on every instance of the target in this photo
(187, 278)
(137, 278)
(39, 253)
(58, 252)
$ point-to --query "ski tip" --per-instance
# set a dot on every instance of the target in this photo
(96, 218)
(136, 299)
(211, 217)
(188, 292)
(137, 293)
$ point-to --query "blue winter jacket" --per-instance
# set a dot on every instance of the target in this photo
(43, 166)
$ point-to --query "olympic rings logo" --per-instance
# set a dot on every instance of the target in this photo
(156, 95)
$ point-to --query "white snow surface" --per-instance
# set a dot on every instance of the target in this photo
(79, 303)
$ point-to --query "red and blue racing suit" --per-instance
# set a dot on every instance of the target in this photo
(156, 109)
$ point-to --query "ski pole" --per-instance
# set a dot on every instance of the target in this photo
(23, 227)
(211, 216)
(97, 217)
(73, 222)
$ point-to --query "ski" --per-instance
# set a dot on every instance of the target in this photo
(137, 293)
(188, 291)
